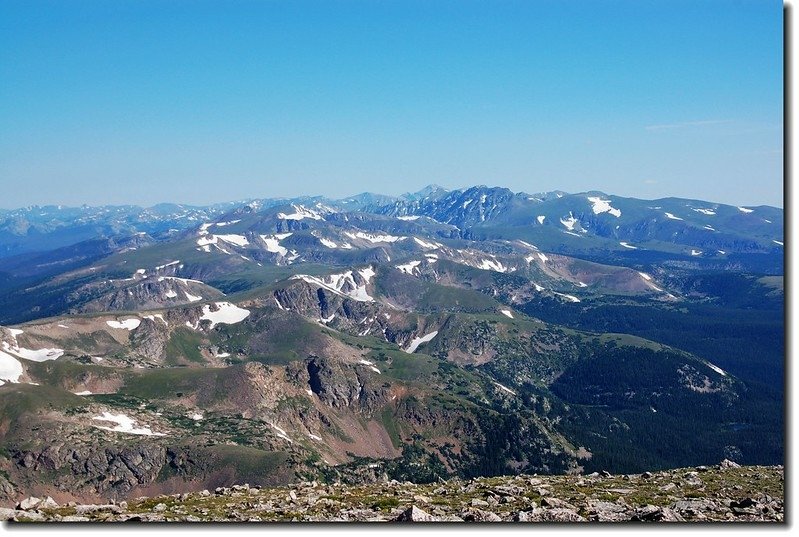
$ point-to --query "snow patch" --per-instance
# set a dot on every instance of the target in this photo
(541, 219)
(603, 206)
(407, 218)
(343, 284)
(778, 242)
(370, 364)
(672, 217)
(419, 340)
(156, 316)
(570, 298)
(696, 252)
(125, 424)
(281, 433)
(374, 238)
(226, 313)
(717, 369)
(506, 313)
(10, 369)
(328, 243)
(428, 245)
(222, 224)
(709, 212)
(630, 246)
(170, 294)
(159, 267)
(569, 222)
(273, 245)
(85, 392)
(528, 245)
(492, 264)
(300, 212)
(238, 240)
(410, 267)
(504, 388)
(127, 324)
(745, 210)
(191, 297)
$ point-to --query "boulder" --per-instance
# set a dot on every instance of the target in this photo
(414, 514)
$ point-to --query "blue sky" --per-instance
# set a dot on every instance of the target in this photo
(199, 101)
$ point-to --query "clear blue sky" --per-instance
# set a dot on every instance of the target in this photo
(197, 101)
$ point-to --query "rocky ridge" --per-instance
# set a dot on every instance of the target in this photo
(723, 493)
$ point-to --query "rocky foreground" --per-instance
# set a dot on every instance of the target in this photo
(726, 492)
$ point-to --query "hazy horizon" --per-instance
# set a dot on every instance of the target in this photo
(149, 101)
(350, 195)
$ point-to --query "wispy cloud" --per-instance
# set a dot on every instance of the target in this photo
(686, 124)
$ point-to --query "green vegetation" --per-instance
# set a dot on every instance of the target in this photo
(184, 346)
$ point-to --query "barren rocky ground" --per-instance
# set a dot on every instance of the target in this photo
(725, 493)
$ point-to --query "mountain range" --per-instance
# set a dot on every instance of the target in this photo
(442, 333)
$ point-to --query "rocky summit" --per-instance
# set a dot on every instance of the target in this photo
(722, 493)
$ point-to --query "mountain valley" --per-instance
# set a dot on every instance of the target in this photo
(435, 335)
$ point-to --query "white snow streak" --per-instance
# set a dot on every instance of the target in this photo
(374, 238)
(419, 340)
(504, 388)
(300, 212)
(125, 424)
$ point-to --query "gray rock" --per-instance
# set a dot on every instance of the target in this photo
(29, 503)
(653, 513)
(74, 518)
(695, 506)
(602, 511)
(32, 516)
(478, 515)
(556, 514)
(48, 503)
(727, 463)
(557, 502)
(521, 516)
(92, 508)
(8, 514)
(414, 514)
(477, 502)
